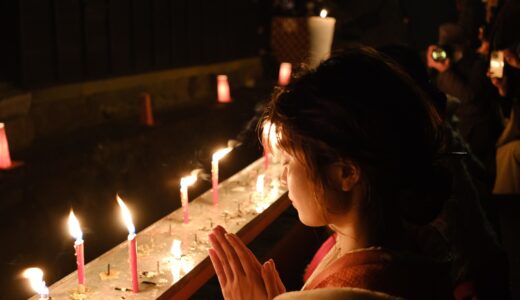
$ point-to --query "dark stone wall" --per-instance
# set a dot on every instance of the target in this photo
(53, 42)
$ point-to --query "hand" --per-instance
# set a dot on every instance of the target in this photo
(272, 281)
(441, 66)
(239, 272)
(499, 83)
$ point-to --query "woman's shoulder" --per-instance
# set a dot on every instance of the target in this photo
(396, 273)
(336, 294)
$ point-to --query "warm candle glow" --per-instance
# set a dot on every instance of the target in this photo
(323, 13)
(275, 187)
(35, 276)
(270, 136)
(223, 93)
(74, 228)
(284, 74)
(221, 153)
(188, 180)
(260, 184)
(176, 249)
(5, 157)
(127, 216)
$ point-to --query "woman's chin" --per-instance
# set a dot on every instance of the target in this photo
(311, 222)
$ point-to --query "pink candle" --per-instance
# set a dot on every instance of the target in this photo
(132, 254)
(75, 231)
(217, 156)
(5, 158)
(80, 261)
(185, 183)
(284, 75)
(184, 202)
(132, 244)
(224, 95)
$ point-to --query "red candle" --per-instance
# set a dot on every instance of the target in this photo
(217, 156)
(132, 245)
(223, 93)
(184, 203)
(132, 253)
(5, 158)
(284, 75)
(75, 231)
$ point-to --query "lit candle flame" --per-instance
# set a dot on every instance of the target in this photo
(323, 13)
(260, 183)
(127, 216)
(74, 228)
(35, 276)
(176, 249)
(188, 180)
(221, 153)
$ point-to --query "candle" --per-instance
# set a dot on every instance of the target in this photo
(132, 245)
(176, 252)
(321, 34)
(35, 276)
(146, 116)
(75, 231)
(5, 158)
(214, 171)
(284, 75)
(224, 95)
(185, 182)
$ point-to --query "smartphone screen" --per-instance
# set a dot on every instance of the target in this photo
(496, 64)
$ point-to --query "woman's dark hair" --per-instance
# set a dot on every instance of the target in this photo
(360, 107)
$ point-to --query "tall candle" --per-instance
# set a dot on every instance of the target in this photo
(284, 75)
(223, 93)
(321, 35)
(185, 183)
(132, 244)
(217, 156)
(5, 158)
(75, 231)
(146, 116)
(35, 276)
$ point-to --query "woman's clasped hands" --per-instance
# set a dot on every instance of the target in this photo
(240, 274)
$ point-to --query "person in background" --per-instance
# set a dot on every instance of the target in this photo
(466, 206)
(461, 74)
(360, 144)
(506, 38)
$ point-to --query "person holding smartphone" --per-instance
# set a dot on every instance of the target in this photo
(504, 73)
(460, 72)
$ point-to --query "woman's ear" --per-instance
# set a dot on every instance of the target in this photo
(350, 175)
(345, 175)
